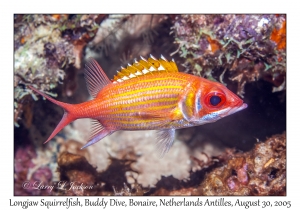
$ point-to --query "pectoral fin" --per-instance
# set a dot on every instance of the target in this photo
(159, 115)
(165, 139)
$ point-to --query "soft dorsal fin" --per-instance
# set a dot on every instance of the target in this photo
(95, 77)
(143, 66)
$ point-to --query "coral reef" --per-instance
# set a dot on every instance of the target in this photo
(76, 171)
(250, 47)
(117, 28)
(247, 52)
(138, 148)
(46, 46)
(261, 171)
(122, 38)
(31, 175)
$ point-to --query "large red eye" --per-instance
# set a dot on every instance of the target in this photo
(215, 99)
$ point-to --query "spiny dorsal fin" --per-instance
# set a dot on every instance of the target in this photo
(143, 66)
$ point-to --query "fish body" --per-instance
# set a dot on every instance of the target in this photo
(148, 95)
(142, 103)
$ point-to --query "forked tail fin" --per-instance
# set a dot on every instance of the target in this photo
(67, 118)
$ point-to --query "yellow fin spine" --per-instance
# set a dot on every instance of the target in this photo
(143, 66)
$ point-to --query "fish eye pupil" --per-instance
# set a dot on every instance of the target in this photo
(215, 100)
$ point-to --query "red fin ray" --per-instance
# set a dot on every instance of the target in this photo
(95, 77)
(96, 128)
(67, 118)
(98, 132)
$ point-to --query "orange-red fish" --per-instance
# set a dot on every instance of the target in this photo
(148, 95)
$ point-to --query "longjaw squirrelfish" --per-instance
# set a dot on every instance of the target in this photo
(148, 95)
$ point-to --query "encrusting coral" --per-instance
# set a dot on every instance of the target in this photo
(30, 176)
(46, 46)
(79, 175)
(261, 171)
(250, 47)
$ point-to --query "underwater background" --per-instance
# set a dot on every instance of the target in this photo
(243, 154)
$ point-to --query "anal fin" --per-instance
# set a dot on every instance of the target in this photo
(165, 139)
(98, 132)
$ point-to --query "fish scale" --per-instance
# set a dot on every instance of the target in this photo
(148, 95)
(153, 100)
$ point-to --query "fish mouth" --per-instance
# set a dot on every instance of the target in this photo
(237, 109)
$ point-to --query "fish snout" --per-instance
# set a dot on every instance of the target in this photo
(238, 108)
